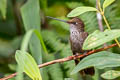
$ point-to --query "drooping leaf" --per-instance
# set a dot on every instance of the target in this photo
(3, 6)
(100, 60)
(98, 38)
(29, 65)
(80, 10)
(111, 74)
(107, 3)
(27, 38)
(38, 34)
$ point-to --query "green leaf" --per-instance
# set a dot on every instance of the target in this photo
(30, 13)
(80, 10)
(3, 6)
(100, 60)
(98, 38)
(107, 3)
(111, 74)
(27, 37)
(29, 65)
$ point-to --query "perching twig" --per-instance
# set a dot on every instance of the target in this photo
(65, 59)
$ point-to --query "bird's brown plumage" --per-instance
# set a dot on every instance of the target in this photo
(77, 38)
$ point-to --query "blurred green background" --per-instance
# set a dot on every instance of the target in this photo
(55, 34)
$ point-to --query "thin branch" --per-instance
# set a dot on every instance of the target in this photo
(65, 59)
(99, 18)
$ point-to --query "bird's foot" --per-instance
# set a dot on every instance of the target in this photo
(76, 54)
(85, 53)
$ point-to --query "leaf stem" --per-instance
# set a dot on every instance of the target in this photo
(99, 6)
(106, 22)
(108, 26)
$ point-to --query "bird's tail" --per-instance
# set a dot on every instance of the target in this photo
(87, 71)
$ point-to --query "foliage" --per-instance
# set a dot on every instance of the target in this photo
(98, 38)
(32, 21)
(80, 10)
(107, 59)
(111, 74)
(28, 64)
(48, 40)
(107, 3)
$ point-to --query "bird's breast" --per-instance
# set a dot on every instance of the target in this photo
(76, 36)
(76, 39)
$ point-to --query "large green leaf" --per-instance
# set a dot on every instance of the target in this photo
(31, 18)
(100, 60)
(3, 6)
(29, 65)
(107, 3)
(31, 14)
(80, 10)
(98, 38)
(111, 74)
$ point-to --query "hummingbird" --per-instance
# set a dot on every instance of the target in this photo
(77, 38)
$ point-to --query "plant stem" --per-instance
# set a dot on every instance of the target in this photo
(69, 58)
(99, 6)
(99, 19)
(108, 26)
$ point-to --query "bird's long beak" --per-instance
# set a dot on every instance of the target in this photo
(57, 19)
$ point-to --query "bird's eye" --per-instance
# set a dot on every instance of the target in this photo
(76, 23)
